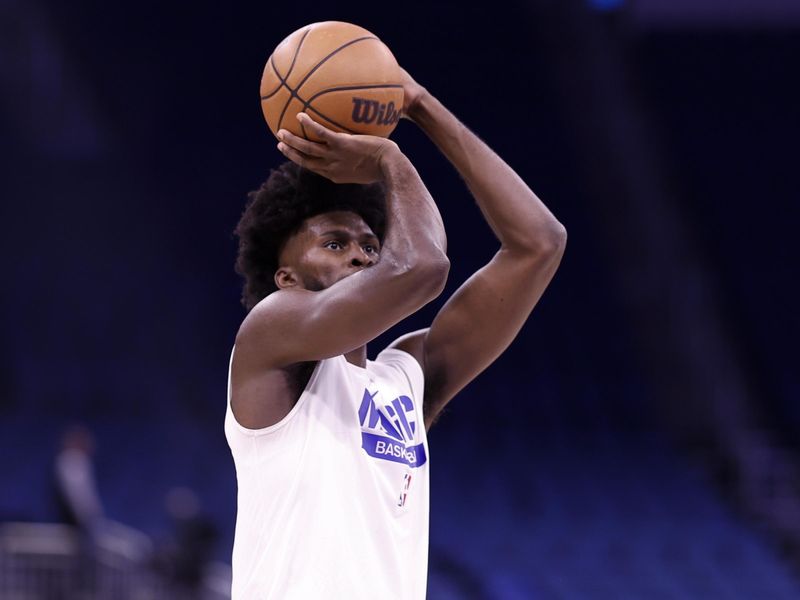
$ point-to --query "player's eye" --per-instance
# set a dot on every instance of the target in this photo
(334, 245)
(370, 249)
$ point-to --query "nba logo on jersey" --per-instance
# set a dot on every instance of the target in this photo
(388, 431)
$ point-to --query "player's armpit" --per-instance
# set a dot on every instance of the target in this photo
(479, 322)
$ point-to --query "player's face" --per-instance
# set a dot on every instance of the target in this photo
(328, 248)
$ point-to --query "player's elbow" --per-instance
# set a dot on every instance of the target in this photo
(552, 245)
(556, 240)
(545, 247)
(425, 274)
(434, 274)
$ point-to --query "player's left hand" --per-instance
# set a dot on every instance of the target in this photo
(341, 157)
(412, 94)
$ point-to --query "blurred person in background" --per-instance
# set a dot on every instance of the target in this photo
(76, 494)
(78, 500)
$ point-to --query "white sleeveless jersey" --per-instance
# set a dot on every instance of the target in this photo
(333, 500)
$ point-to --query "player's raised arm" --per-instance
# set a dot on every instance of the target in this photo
(485, 314)
(311, 318)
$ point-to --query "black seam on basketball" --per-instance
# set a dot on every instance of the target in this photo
(327, 118)
(274, 68)
(283, 80)
(344, 88)
(271, 63)
(296, 54)
(292, 93)
(332, 54)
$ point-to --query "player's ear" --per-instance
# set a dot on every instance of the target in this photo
(285, 277)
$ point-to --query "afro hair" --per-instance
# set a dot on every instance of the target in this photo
(274, 212)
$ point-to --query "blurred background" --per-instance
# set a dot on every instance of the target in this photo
(638, 440)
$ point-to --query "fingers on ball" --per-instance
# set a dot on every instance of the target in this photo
(291, 153)
(318, 128)
(299, 157)
(310, 148)
(305, 146)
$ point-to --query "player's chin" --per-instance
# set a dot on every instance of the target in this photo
(344, 276)
(317, 285)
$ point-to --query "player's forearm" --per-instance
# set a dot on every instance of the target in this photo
(517, 216)
(414, 229)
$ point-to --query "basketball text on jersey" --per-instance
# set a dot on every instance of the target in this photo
(387, 432)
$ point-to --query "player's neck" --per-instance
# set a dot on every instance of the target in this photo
(357, 357)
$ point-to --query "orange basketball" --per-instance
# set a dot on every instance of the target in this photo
(342, 75)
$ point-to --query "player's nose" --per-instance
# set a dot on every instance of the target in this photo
(361, 258)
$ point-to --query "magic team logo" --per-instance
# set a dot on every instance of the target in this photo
(387, 432)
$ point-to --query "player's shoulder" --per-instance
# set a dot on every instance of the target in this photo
(262, 334)
(279, 306)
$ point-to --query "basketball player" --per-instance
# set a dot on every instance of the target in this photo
(330, 448)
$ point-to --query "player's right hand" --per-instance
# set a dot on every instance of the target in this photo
(341, 157)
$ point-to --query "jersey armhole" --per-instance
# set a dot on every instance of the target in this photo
(409, 367)
(275, 426)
